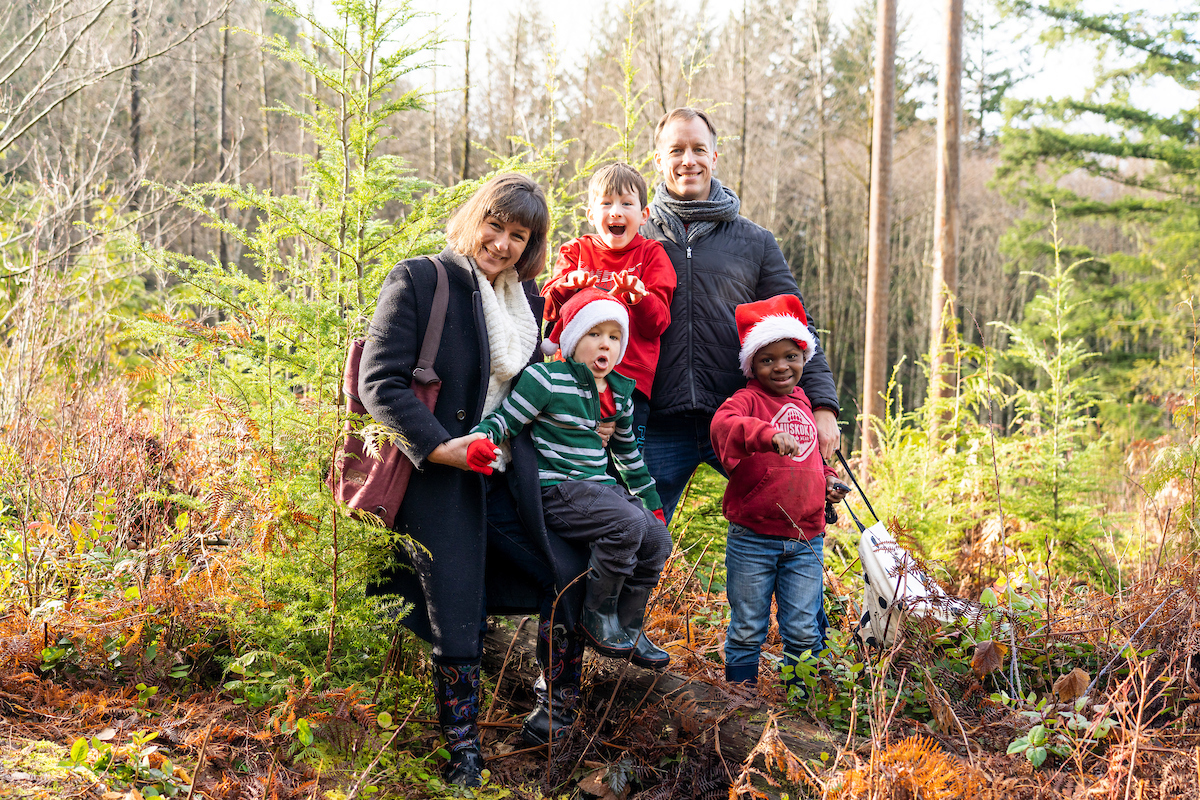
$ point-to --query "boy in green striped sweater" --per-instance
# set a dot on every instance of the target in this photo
(563, 402)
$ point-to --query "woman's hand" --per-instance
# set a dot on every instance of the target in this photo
(629, 287)
(578, 279)
(453, 452)
(785, 444)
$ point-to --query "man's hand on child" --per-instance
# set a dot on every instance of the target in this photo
(835, 490)
(660, 515)
(578, 279)
(629, 287)
(785, 444)
(483, 455)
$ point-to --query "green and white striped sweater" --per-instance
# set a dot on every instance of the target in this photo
(560, 399)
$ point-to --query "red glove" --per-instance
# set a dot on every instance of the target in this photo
(660, 515)
(481, 453)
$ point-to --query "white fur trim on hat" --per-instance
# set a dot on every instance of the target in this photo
(590, 316)
(771, 329)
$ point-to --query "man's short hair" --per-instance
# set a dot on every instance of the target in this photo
(617, 179)
(685, 114)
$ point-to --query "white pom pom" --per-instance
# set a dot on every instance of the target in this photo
(548, 347)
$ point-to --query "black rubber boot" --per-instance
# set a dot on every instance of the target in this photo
(458, 713)
(631, 613)
(557, 688)
(598, 621)
(746, 674)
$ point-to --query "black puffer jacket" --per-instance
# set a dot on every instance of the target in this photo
(698, 368)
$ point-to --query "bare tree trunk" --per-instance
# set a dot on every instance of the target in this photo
(512, 93)
(942, 375)
(823, 245)
(879, 226)
(433, 130)
(223, 131)
(135, 107)
(745, 105)
(466, 157)
(262, 79)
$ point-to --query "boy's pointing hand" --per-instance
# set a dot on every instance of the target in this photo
(785, 444)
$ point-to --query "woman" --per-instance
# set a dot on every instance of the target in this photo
(481, 544)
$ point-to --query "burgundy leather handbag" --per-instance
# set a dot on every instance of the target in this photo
(376, 485)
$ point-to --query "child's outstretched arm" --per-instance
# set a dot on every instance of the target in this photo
(524, 401)
(737, 435)
(568, 279)
(652, 313)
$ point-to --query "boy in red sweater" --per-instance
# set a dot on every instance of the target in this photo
(618, 259)
(766, 438)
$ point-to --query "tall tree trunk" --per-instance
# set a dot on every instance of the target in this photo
(223, 132)
(745, 105)
(823, 244)
(512, 87)
(135, 107)
(262, 80)
(879, 226)
(466, 154)
(433, 122)
(942, 371)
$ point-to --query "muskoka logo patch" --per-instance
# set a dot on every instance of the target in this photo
(790, 419)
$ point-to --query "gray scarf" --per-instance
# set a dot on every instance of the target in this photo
(700, 216)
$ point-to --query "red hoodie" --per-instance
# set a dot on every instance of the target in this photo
(770, 494)
(648, 319)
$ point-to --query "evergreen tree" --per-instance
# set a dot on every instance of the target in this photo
(1106, 160)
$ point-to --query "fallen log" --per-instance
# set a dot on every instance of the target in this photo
(706, 708)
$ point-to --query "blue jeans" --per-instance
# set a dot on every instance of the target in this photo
(758, 567)
(675, 446)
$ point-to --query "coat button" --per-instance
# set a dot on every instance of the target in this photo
(461, 415)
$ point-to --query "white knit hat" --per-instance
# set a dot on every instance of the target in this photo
(766, 321)
(587, 309)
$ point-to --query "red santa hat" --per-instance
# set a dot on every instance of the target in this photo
(587, 309)
(767, 321)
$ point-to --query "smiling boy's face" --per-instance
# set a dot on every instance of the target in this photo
(600, 348)
(779, 366)
(616, 217)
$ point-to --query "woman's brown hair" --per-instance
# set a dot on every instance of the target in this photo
(510, 197)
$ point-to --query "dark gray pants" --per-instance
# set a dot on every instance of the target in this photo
(626, 539)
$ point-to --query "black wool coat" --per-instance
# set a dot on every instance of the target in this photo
(444, 507)
(698, 365)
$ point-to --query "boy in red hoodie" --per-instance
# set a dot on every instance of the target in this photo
(766, 438)
(618, 259)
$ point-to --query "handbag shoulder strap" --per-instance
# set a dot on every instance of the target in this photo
(423, 372)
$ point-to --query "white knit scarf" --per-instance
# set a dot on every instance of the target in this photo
(511, 329)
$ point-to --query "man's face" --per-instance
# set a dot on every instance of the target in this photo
(616, 217)
(686, 155)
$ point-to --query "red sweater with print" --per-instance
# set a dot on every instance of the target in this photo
(648, 319)
(770, 494)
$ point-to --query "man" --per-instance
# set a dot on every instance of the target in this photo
(721, 259)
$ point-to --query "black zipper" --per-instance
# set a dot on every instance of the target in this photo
(691, 368)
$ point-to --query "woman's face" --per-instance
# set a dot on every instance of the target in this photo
(500, 246)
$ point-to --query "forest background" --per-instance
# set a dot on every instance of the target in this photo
(199, 200)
